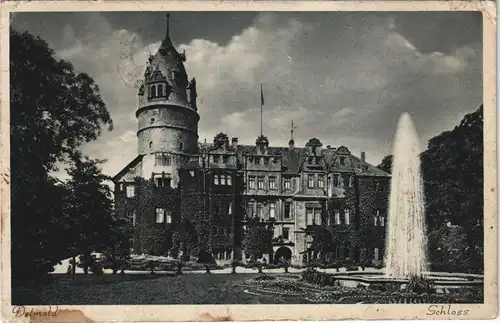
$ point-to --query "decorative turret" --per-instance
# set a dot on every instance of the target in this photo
(313, 146)
(262, 143)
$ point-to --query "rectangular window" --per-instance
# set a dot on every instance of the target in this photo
(251, 182)
(225, 159)
(336, 180)
(162, 182)
(224, 208)
(317, 216)
(342, 161)
(382, 221)
(286, 233)
(287, 184)
(130, 191)
(229, 180)
(121, 186)
(162, 159)
(222, 179)
(321, 181)
(309, 216)
(310, 181)
(337, 217)
(133, 218)
(375, 218)
(272, 209)
(288, 210)
(160, 215)
(272, 182)
(168, 216)
(230, 209)
(351, 180)
(260, 182)
(250, 210)
(259, 210)
(375, 254)
(347, 217)
(216, 179)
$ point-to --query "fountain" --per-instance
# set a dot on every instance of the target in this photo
(405, 240)
(406, 245)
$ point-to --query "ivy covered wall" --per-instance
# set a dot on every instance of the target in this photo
(155, 238)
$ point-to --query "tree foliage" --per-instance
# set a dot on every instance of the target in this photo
(386, 164)
(53, 111)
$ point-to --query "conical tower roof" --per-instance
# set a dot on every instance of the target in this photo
(169, 62)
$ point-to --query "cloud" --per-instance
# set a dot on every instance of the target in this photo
(345, 85)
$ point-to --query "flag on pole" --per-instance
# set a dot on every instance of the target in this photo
(261, 95)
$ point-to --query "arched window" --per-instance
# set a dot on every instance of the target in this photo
(150, 144)
(152, 120)
(160, 90)
(181, 146)
(153, 93)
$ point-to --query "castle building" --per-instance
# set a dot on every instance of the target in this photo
(184, 196)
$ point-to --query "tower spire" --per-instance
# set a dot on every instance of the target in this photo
(168, 24)
(291, 132)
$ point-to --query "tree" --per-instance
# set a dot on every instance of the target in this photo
(53, 111)
(88, 209)
(117, 249)
(258, 239)
(185, 238)
(386, 164)
(322, 241)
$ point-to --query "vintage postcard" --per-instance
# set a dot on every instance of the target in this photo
(248, 161)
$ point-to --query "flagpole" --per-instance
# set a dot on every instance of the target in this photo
(261, 107)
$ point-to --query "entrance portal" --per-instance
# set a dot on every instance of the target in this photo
(283, 253)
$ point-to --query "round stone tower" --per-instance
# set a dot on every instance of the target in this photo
(167, 114)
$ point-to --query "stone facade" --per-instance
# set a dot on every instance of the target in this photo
(191, 197)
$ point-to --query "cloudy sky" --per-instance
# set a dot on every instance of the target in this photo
(344, 78)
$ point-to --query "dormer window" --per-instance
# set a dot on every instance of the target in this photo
(156, 91)
(342, 161)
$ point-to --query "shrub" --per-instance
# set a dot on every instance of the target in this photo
(312, 276)
(96, 269)
(265, 277)
(419, 285)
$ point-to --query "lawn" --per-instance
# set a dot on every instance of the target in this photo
(145, 289)
(191, 288)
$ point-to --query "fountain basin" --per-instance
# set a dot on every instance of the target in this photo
(441, 281)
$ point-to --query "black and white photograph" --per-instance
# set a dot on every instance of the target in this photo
(164, 156)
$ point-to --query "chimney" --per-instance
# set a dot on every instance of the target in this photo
(291, 144)
(362, 156)
(234, 142)
(328, 146)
